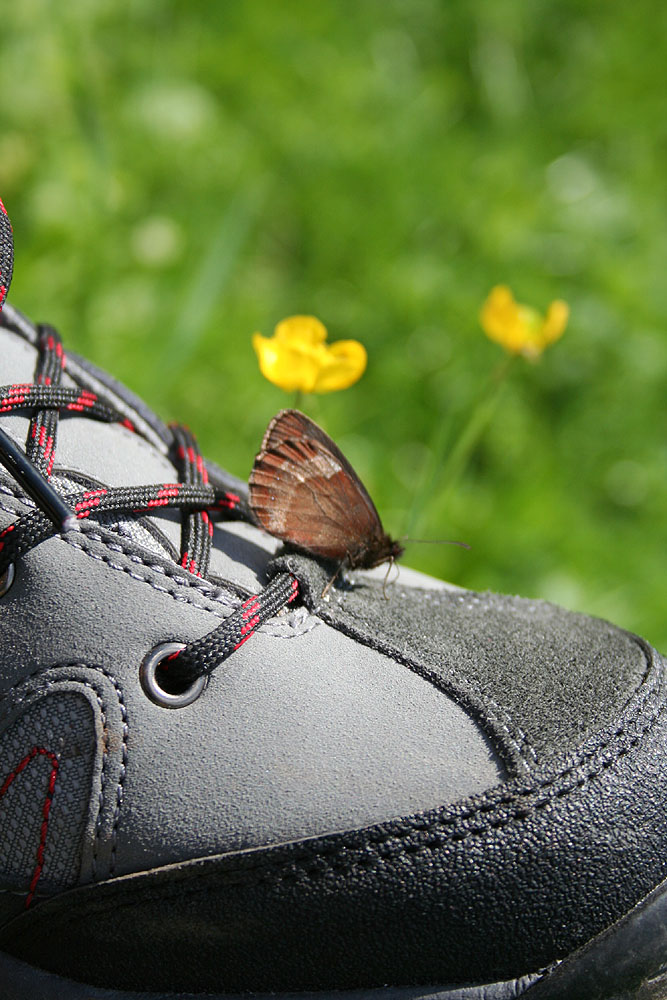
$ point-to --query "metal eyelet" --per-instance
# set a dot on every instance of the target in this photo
(7, 579)
(148, 675)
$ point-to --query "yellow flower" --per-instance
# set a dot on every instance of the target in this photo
(297, 358)
(521, 329)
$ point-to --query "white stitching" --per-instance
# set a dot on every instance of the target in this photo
(45, 685)
(288, 630)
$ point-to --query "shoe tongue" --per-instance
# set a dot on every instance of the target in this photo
(108, 454)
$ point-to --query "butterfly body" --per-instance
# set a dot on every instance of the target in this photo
(304, 491)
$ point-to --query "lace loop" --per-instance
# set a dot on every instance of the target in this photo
(203, 655)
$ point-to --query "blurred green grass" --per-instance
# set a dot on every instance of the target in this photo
(182, 174)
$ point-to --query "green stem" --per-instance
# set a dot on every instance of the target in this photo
(429, 475)
(449, 470)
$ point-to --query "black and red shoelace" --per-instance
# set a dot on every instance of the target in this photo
(200, 502)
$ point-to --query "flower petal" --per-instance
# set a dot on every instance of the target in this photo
(519, 328)
(344, 364)
(555, 321)
(304, 331)
(500, 317)
(297, 358)
(290, 368)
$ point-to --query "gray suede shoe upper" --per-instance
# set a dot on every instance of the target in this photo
(298, 733)
(450, 786)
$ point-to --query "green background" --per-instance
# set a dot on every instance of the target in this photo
(182, 174)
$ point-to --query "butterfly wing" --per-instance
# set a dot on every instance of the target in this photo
(292, 425)
(304, 491)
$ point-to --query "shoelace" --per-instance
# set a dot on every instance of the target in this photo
(199, 501)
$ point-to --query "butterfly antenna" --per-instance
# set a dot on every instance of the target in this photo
(434, 541)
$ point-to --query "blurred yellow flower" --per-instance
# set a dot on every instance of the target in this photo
(297, 358)
(518, 328)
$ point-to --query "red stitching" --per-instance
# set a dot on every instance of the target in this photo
(91, 499)
(84, 401)
(46, 809)
(4, 533)
(250, 607)
(229, 500)
(244, 639)
(250, 625)
(17, 395)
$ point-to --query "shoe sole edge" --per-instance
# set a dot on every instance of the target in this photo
(25, 982)
(627, 961)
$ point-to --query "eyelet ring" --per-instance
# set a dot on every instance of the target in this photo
(7, 579)
(148, 675)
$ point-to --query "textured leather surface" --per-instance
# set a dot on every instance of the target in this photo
(539, 678)
(482, 891)
(298, 734)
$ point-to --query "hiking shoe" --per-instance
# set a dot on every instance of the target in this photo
(215, 781)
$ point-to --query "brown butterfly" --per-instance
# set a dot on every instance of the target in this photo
(304, 491)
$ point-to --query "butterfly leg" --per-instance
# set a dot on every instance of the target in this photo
(331, 582)
(392, 563)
